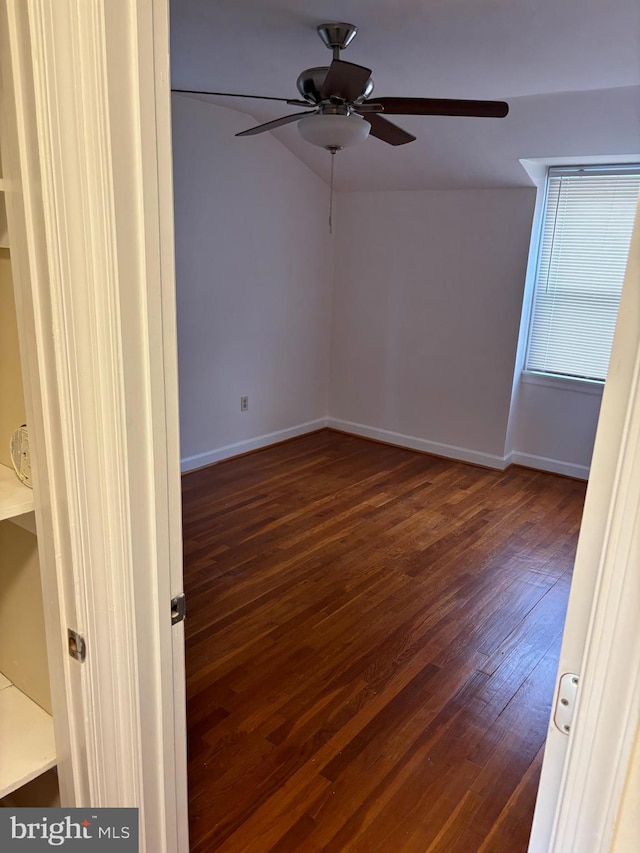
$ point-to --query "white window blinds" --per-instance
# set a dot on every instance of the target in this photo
(586, 232)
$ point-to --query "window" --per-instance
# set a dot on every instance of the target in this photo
(584, 245)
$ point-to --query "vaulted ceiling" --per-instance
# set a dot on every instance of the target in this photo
(570, 71)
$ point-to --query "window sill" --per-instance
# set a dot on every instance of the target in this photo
(563, 383)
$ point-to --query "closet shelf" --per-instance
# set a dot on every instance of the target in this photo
(27, 745)
(15, 497)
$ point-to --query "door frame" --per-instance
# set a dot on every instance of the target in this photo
(584, 773)
(91, 197)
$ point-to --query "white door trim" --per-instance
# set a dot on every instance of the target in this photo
(577, 811)
(29, 262)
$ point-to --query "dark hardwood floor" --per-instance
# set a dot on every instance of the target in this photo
(372, 639)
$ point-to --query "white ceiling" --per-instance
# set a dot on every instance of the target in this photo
(570, 70)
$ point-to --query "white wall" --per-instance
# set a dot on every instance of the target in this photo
(253, 271)
(555, 427)
(420, 342)
(427, 302)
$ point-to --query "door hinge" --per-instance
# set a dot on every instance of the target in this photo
(77, 645)
(566, 702)
(178, 609)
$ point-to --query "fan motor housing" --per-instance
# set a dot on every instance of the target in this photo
(310, 82)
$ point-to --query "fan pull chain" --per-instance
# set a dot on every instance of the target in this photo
(333, 154)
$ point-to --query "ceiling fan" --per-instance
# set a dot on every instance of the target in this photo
(338, 108)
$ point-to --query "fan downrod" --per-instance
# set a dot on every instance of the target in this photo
(337, 36)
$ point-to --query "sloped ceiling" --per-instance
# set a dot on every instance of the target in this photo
(570, 71)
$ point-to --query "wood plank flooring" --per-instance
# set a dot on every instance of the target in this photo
(372, 639)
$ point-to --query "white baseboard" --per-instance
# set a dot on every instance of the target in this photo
(449, 451)
(554, 466)
(200, 460)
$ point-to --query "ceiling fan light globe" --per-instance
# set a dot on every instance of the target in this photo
(334, 131)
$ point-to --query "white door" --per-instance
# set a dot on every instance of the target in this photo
(89, 90)
(584, 771)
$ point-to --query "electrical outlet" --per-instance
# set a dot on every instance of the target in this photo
(244, 404)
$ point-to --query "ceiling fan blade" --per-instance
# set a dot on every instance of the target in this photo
(442, 107)
(369, 108)
(295, 102)
(387, 131)
(345, 80)
(272, 125)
